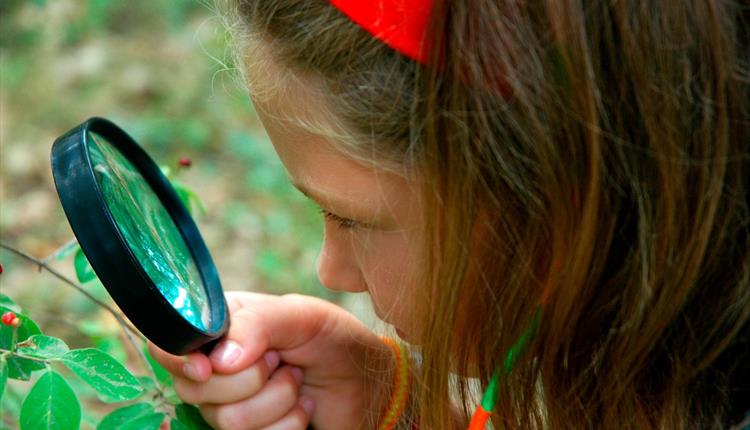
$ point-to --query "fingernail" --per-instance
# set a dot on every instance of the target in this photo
(227, 352)
(272, 359)
(191, 371)
(298, 374)
(307, 404)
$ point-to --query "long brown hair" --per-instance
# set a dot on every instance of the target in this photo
(591, 156)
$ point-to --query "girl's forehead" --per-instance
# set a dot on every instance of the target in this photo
(300, 124)
(331, 178)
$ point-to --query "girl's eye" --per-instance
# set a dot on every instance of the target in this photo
(343, 222)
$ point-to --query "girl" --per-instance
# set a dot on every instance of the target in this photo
(548, 200)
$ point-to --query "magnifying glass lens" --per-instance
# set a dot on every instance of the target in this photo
(149, 230)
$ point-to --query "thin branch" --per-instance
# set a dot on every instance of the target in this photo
(68, 281)
(5, 352)
(59, 251)
(127, 328)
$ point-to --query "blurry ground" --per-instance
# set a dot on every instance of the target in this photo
(162, 71)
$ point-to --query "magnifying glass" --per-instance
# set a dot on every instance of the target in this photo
(139, 237)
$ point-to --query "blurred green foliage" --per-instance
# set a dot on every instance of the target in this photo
(163, 71)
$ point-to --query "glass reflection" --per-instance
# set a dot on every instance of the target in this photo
(150, 231)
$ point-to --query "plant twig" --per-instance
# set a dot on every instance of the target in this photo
(68, 281)
(43, 265)
(58, 251)
(12, 353)
(127, 328)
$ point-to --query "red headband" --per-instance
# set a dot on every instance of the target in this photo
(400, 24)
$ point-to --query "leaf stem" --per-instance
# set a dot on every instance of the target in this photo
(9, 352)
(14, 339)
(127, 328)
(59, 251)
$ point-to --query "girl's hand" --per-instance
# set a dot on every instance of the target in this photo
(287, 361)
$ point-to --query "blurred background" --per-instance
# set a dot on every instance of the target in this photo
(162, 70)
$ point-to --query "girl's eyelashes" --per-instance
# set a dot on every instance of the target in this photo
(342, 222)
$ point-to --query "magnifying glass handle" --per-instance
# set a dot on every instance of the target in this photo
(206, 348)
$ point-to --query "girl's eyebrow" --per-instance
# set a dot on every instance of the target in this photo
(345, 208)
(325, 201)
(308, 193)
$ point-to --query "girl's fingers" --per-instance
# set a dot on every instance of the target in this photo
(229, 388)
(298, 418)
(271, 405)
(237, 299)
(261, 322)
(195, 366)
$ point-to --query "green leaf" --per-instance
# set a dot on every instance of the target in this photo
(84, 272)
(51, 405)
(27, 328)
(164, 377)
(22, 368)
(188, 197)
(19, 368)
(146, 382)
(184, 197)
(119, 418)
(176, 425)
(146, 422)
(8, 303)
(41, 346)
(111, 380)
(191, 417)
(3, 375)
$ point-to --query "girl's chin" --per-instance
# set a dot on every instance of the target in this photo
(406, 336)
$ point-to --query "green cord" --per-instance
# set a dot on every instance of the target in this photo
(490, 394)
(489, 399)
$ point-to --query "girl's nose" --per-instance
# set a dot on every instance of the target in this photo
(337, 265)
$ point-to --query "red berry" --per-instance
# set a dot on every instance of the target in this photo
(185, 162)
(1, 269)
(8, 318)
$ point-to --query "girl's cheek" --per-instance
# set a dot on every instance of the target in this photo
(387, 275)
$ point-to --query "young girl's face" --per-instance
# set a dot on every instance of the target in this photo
(372, 217)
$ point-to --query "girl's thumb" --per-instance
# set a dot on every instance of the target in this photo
(264, 323)
(226, 353)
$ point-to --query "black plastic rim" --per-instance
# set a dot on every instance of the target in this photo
(110, 255)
